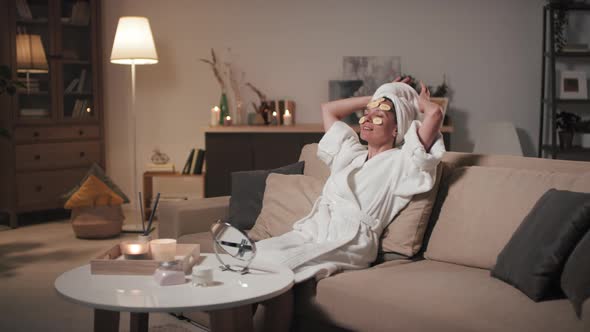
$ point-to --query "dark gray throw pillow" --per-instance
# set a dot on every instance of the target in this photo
(534, 257)
(575, 279)
(247, 191)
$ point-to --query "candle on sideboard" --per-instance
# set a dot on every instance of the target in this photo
(275, 119)
(287, 118)
(215, 113)
(227, 121)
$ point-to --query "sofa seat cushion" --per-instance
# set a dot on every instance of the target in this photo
(434, 296)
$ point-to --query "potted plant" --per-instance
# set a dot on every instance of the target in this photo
(8, 86)
(566, 123)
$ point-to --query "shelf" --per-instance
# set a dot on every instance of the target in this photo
(569, 101)
(73, 25)
(77, 94)
(76, 62)
(574, 153)
(32, 21)
(24, 93)
(571, 6)
(571, 55)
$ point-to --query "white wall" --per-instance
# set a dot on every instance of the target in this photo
(489, 50)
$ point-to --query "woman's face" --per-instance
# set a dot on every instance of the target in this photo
(383, 134)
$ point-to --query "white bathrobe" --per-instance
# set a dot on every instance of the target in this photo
(358, 201)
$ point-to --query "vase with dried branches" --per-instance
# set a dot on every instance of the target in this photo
(223, 104)
(236, 79)
(262, 110)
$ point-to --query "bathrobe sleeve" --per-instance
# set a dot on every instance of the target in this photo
(419, 166)
(339, 146)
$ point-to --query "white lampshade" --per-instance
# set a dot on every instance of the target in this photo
(134, 43)
(30, 54)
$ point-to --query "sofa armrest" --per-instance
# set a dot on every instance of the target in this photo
(191, 216)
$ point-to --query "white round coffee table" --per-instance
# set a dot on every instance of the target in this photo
(228, 300)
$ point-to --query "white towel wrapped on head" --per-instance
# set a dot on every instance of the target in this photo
(405, 104)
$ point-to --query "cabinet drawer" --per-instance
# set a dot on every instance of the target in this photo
(46, 188)
(56, 155)
(34, 134)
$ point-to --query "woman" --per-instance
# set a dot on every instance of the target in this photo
(368, 185)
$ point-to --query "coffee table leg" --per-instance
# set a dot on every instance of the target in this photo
(106, 320)
(235, 319)
(139, 322)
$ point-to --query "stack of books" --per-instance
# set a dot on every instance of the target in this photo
(33, 112)
(160, 168)
(194, 162)
(77, 84)
(30, 85)
(81, 108)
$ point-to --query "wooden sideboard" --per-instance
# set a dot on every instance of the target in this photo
(244, 148)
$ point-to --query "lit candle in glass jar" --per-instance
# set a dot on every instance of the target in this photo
(135, 249)
(227, 121)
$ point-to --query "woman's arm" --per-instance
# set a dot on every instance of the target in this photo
(433, 118)
(339, 109)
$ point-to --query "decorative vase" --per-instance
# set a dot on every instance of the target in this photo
(223, 106)
(566, 139)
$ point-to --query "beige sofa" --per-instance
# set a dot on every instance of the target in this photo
(447, 286)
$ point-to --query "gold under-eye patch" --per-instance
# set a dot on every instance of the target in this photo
(373, 104)
(379, 103)
(376, 121)
(384, 107)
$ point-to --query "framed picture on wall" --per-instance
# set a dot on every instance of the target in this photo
(572, 85)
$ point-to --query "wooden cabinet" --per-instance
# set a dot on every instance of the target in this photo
(238, 150)
(56, 119)
(245, 148)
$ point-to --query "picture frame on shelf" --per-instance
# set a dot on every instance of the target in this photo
(573, 85)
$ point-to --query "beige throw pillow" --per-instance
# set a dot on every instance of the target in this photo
(287, 198)
(405, 233)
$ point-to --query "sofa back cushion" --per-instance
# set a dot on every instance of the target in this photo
(287, 199)
(314, 167)
(483, 206)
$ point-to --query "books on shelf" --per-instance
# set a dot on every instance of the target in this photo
(194, 162)
(164, 168)
(80, 108)
(82, 81)
(22, 7)
(34, 112)
(80, 13)
(189, 163)
(72, 85)
(199, 159)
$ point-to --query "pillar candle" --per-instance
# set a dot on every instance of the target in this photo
(287, 118)
(215, 113)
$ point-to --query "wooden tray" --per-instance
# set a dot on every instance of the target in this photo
(112, 262)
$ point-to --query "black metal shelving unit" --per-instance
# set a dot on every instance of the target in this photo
(549, 102)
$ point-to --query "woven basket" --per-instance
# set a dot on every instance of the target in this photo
(97, 222)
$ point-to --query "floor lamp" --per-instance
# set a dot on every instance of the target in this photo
(134, 45)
